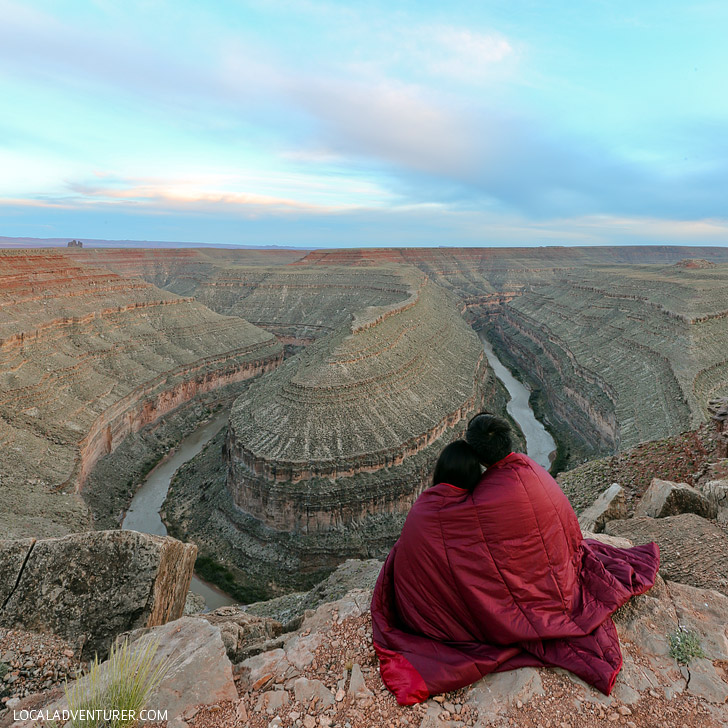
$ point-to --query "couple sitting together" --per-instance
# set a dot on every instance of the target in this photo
(492, 573)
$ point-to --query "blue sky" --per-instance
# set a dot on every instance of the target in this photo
(328, 124)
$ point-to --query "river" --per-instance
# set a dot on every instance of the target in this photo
(143, 513)
(540, 446)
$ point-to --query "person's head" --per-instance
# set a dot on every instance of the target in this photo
(490, 437)
(457, 465)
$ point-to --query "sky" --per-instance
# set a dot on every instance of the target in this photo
(336, 124)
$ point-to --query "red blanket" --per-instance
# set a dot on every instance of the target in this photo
(500, 578)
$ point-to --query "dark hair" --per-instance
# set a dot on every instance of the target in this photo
(490, 437)
(458, 465)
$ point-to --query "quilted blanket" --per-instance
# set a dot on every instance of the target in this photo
(500, 578)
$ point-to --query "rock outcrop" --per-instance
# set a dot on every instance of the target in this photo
(611, 505)
(341, 440)
(693, 550)
(91, 587)
(622, 352)
(195, 673)
(242, 633)
(664, 498)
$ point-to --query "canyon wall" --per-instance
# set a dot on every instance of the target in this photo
(624, 344)
(324, 457)
(87, 357)
(364, 400)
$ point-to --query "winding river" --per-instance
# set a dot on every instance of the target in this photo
(143, 513)
(540, 446)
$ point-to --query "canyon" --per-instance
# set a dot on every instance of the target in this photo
(88, 357)
(363, 364)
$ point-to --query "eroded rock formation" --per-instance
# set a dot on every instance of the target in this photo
(626, 345)
(87, 357)
(90, 587)
(346, 433)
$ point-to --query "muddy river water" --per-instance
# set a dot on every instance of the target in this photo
(540, 446)
(143, 514)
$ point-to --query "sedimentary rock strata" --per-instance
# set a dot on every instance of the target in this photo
(300, 304)
(325, 455)
(626, 343)
(362, 402)
(86, 357)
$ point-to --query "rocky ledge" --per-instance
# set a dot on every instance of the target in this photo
(90, 587)
(307, 661)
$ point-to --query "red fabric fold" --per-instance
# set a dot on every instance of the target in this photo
(500, 578)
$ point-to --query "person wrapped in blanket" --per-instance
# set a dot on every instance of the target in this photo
(492, 573)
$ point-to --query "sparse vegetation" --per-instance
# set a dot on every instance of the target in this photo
(216, 573)
(685, 645)
(124, 687)
(3, 670)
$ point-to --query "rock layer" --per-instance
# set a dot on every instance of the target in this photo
(90, 587)
(364, 401)
(87, 357)
(625, 345)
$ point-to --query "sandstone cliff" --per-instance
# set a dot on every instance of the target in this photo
(87, 357)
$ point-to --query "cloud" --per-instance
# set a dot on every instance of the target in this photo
(193, 194)
(461, 54)
(381, 134)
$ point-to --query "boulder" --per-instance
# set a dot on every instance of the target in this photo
(664, 498)
(91, 587)
(242, 634)
(716, 491)
(704, 611)
(199, 673)
(194, 604)
(609, 506)
(496, 692)
(693, 550)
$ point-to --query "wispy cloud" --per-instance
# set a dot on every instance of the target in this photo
(310, 108)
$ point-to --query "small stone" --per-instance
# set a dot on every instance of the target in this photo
(439, 698)
(340, 695)
(241, 712)
(258, 684)
(357, 686)
(624, 710)
(309, 721)
(612, 717)
(519, 704)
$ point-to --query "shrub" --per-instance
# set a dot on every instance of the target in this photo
(4, 669)
(685, 645)
(125, 684)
